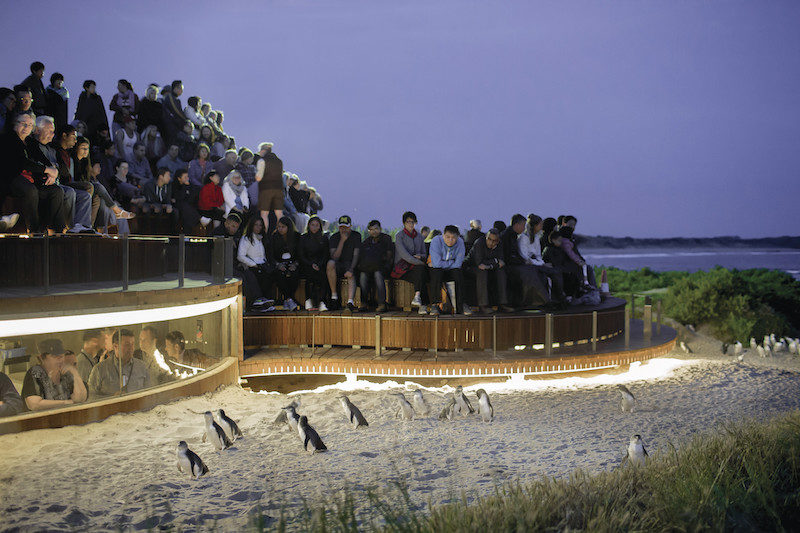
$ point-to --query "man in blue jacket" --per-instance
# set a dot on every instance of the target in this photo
(447, 255)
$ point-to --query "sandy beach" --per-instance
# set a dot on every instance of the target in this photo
(121, 473)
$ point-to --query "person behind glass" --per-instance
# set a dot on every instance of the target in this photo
(90, 110)
(344, 248)
(254, 259)
(172, 116)
(269, 175)
(89, 355)
(182, 359)
(125, 105)
(531, 247)
(128, 193)
(283, 245)
(34, 83)
(447, 256)
(473, 234)
(485, 263)
(10, 401)
(120, 372)
(375, 262)
(52, 383)
(211, 200)
(410, 259)
(152, 357)
(56, 99)
(524, 276)
(313, 252)
(186, 196)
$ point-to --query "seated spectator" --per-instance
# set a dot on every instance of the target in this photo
(235, 193)
(126, 139)
(139, 167)
(56, 98)
(570, 271)
(105, 154)
(84, 173)
(473, 234)
(199, 166)
(219, 118)
(344, 245)
(211, 200)
(187, 144)
(120, 372)
(548, 225)
(205, 109)
(568, 220)
(224, 166)
(524, 276)
(269, 175)
(150, 110)
(299, 199)
(232, 227)
(26, 178)
(283, 245)
(36, 87)
(125, 105)
(485, 260)
(152, 358)
(171, 161)
(500, 226)
(153, 144)
(80, 128)
(186, 196)
(253, 257)
(52, 383)
(431, 235)
(24, 102)
(207, 137)
(221, 145)
(91, 110)
(90, 354)
(172, 116)
(447, 256)
(530, 249)
(314, 201)
(10, 400)
(84, 207)
(8, 101)
(313, 251)
(193, 112)
(127, 191)
(570, 248)
(158, 194)
(425, 232)
(410, 259)
(375, 263)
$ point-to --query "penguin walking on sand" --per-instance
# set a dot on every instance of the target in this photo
(311, 440)
(767, 351)
(281, 418)
(636, 452)
(685, 347)
(485, 408)
(190, 462)
(724, 348)
(793, 347)
(740, 357)
(352, 412)
(292, 418)
(779, 346)
(420, 405)
(737, 349)
(753, 343)
(761, 351)
(230, 427)
(448, 411)
(215, 434)
(628, 399)
(404, 408)
(464, 407)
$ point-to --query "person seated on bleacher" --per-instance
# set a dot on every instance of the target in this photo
(578, 263)
(227, 163)
(139, 166)
(200, 164)
(186, 196)
(86, 173)
(315, 204)
(90, 353)
(234, 191)
(410, 259)
(473, 234)
(531, 249)
(126, 138)
(524, 277)
(570, 271)
(52, 383)
(484, 261)
(447, 256)
(313, 251)
(253, 257)
(345, 248)
(126, 190)
(283, 248)
(375, 262)
(187, 144)
(171, 160)
(10, 400)
(211, 200)
(158, 196)
(106, 378)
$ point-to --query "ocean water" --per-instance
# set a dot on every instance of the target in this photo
(691, 259)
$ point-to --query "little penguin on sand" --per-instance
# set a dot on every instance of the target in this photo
(292, 418)
(448, 411)
(420, 405)
(628, 399)
(636, 452)
(190, 462)
(215, 434)
(462, 401)
(311, 440)
(353, 414)
(281, 418)
(404, 408)
(485, 408)
(230, 427)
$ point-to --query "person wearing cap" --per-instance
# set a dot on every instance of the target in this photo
(52, 383)
(10, 400)
(345, 247)
(105, 377)
(269, 175)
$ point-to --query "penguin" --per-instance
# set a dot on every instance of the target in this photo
(772, 338)
(737, 348)
(636, 452)
(309, 436)
(404, 408)
(231, 428)
(685, 347)
(793, 347)
(292, 418)
(767, 351)
(485, 408)
(215, 434)
(420, 405)
(761, 351)
(462, 401)
(190, 462)
(780, 346)
(740, 357)
(753, 343)
(724, 348)
(352, 412)
(690, 327)
(767, 341)
(281, 418)
(447, 413)
(628, 399)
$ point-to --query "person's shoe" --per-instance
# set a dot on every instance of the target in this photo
(125, 215)
(506, 309)
(363, 309)
(381, 308)
(352, 306)
(9, 221)
(260, 302)
(335, 305)
(309, 305)
(290, 305)
(485, 310)
(423, 310)
(417, 301)
(467, 310)
(322, 307)
(434, 310)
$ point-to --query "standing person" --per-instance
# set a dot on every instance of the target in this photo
(91, 111)
(10, 400)
(125, 105)
(345, 246)
(254, 258)
(173, 117)
(52, 383)
(375, 262)
(90, 353)
(313, 251)
(234, 192)
(524, 276)
(447, 256)
(150, 110)
(34, 83)
(269, 175)
(56, 99)
(484, 261)
(211, 200)
(106, 378)
(410, 259)
(284, 253)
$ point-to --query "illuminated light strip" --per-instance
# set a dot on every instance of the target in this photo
(190, 367)
(56, 324)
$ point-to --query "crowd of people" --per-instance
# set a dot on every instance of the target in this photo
(107, 364)
(156, 156)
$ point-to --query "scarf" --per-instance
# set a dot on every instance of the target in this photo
(237, 189)
(62, 92)
(412, 235)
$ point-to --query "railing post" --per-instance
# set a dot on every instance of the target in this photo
(494, 336)
(627, 326)
(647, 321)
(125, 262)
(46, 244)
(594, 331)
(377, 335)
(658, 317)
(633, 305)
(218, 261)
(313, 334)
(181, 259)
(436, 338)
(548, 334)
(228, 258)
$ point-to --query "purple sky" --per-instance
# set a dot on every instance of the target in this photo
(640, 118)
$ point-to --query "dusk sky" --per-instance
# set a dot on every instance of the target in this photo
(648, 119)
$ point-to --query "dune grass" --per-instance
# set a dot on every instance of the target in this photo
(743, 477)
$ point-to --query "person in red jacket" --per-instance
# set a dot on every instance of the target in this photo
(211, 201)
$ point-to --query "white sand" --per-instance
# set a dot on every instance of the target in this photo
(120, 472)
